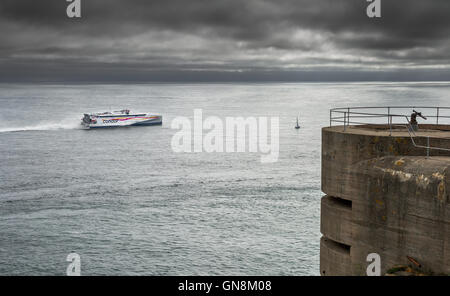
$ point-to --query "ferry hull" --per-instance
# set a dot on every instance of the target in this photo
(115, 126)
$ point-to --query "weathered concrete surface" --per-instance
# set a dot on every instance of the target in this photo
(334, 258)
(341, 150)
(336, 219)
(398, 205)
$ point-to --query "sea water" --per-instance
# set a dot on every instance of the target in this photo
(129, 205)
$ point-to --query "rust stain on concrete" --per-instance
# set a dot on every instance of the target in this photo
(441, 191)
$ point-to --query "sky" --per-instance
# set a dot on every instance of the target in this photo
(226, 40)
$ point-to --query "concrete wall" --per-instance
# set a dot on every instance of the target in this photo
(385, 197)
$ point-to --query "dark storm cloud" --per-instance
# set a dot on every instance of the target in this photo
(141, 38)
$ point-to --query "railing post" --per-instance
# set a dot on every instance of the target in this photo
(348, 116)
(330, 116)
(345, 118)
(389, 115)
(437, 115)
(390, 125)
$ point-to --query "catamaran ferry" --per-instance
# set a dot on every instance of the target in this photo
(119, 119)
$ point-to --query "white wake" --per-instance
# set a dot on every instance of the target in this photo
(43, 127)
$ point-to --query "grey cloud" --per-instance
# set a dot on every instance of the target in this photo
(254, 36)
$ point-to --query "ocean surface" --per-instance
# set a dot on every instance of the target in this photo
(129, 205)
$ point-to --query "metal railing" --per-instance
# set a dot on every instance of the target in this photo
(395, 118)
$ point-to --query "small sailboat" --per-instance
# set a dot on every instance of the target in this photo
(297, 126)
